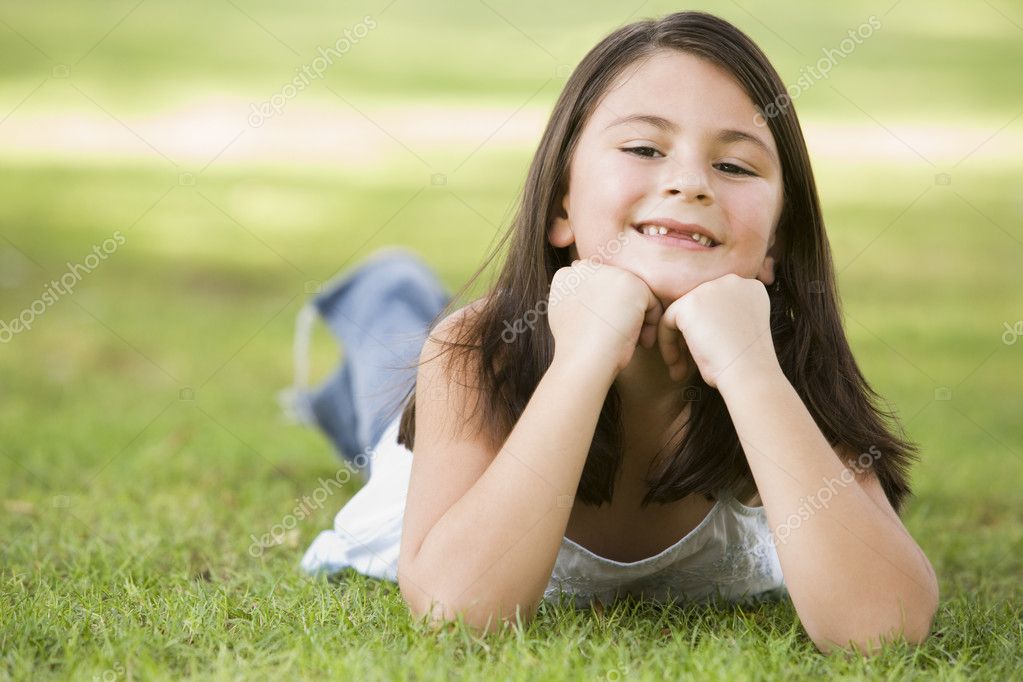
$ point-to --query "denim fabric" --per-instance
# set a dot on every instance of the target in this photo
(380, 312)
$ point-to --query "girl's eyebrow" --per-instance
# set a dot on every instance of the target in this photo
(724, 136)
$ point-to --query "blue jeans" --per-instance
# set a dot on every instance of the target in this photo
(380, 312)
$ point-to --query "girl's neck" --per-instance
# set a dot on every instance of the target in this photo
(644, 384)
(652, 405)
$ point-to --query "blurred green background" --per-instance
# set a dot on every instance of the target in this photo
(138, 413)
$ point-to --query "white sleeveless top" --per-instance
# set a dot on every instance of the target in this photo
(730, 554)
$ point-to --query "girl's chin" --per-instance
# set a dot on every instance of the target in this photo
(665, 284)
(666, 288)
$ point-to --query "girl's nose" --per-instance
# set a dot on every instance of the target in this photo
(691, 185)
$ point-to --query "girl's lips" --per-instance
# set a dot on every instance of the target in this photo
(676, 241)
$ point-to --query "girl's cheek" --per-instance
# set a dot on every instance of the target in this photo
(628, 186)
(749, 213)
(609, 175)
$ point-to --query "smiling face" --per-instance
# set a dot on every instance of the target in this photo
(688, 151)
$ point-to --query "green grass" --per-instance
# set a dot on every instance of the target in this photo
(142, 445)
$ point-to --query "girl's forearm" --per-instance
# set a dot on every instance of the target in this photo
(492, 553)
(854, 572)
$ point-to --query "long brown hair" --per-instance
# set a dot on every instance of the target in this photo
(805, 314)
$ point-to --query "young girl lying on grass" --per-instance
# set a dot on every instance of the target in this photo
(657, 397)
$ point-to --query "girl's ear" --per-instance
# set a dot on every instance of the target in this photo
(766, 273)
(560, 232)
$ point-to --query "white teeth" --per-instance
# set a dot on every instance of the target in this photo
(659, 230)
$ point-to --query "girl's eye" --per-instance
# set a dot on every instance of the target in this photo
(648, 153)
(641, 151)
(735, 170)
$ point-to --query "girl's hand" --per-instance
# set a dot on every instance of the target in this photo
(723, 325)
(601, 311)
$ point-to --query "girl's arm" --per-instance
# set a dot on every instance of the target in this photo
(854, 572)
(484, 546)
(489, 555)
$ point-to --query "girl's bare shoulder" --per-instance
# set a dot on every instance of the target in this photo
(449, 394)
(451, 334)
(450, 329)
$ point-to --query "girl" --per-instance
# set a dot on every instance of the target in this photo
(657, 397)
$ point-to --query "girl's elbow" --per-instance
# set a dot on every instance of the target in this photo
(914, 632)
(479, 618)
(868, 645)
(909, 620)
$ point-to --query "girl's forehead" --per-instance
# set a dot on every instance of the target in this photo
(677, 85)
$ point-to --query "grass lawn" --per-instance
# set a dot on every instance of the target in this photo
(141, 443)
